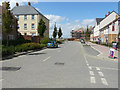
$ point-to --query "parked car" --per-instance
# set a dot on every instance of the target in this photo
(52, 44)
(82, 41)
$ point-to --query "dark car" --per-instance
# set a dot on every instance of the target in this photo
(82, 41)
(52, 44)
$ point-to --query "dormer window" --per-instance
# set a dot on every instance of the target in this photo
(33, 17)
(17, 17)
(25, 17)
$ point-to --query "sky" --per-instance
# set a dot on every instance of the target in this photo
(72, 15)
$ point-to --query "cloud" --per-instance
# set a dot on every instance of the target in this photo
(55, 18)
(68, 25)
(88, 22)
(77, 21)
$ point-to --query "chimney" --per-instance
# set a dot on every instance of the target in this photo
(105, 15)
(108, 12)
(17, 4)
(29, 3)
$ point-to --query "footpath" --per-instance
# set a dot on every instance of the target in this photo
(104, 50)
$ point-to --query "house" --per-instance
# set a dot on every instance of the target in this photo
(96, 31)
(109, 28)
(13, 34)
(28, 18)
(77, 33)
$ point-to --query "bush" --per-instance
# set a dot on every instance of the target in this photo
(28, 46)
(15, 42)
(44, 40)
(8, 50)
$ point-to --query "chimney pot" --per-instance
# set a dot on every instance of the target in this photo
(108, 12)
(17, 4)
(105, 15)
(29, 3)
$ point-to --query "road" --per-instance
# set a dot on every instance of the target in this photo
(72, 65)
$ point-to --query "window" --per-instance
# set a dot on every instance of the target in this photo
(11, 37)
(33, 26)
(25, 26)
(25, 33)
(33, 17)
(25, 17)
(17, 17)
(17, 25)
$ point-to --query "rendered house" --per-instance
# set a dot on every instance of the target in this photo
(106, 29)
(109, 28)
(96, 32)
(28, 18)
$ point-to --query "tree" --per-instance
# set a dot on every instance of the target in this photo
(87, 34)
(59, 33)
(7, 20)
(55, 31)
(41, 28)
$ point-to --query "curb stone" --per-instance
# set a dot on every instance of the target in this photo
(20, 53)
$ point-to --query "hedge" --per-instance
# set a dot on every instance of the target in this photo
(15, 42)
(28, 46)
(8, 50)
(21, 48)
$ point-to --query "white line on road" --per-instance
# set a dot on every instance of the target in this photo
(97, 50)
(46, 59)
(101, 74)
(1, 80)
(91, 72)
(87, 64)
(92, 80)
(104, 81)
(97, 68)
(90, 67)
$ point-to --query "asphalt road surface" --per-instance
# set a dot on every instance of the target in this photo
(72, 65)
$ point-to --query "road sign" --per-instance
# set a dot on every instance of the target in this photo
(112, 53)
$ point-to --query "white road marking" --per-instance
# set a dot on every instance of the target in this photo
(107, 68)
(104, 81)
(91, 72)
(1, 80)
(97, 68)
(97, 50)
(87, 64)
(92, 80)
(101, 74)
(86, 61)
(90, 67)
(46, 59)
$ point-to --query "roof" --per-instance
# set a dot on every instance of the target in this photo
(25, 10)
(98, 20)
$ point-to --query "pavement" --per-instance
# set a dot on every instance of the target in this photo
(72, 65)
(103, 50)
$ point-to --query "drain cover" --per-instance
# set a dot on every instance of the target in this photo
(10, 68)
(59, 63)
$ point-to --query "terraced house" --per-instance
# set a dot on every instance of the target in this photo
(28, 18)
(107, 29)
